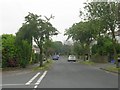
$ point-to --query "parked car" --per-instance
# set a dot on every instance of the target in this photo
(55, 57)
(58, 56)
(72, 58)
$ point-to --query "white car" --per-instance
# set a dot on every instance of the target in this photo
(71, 58)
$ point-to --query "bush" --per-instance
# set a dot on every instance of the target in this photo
(24, 53)
(99, 59)
(103, 47)
(35, 58)
(9, 51)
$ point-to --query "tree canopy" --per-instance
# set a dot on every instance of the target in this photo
(38, 29)
(99, 20)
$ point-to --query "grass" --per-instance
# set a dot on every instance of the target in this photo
(87, 62)
(110, 68)
(113, 69)
(45, 66)
(11, 68)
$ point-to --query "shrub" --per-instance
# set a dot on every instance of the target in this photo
(24, 53)
(9, 51)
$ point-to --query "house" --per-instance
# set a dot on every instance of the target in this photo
(117, 35)
(35, 49)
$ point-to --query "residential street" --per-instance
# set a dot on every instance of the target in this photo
(62, 74)
(60, 44)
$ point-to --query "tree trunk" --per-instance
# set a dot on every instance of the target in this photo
(41, 57)
(115, 52)
(115, 55)
(88, 51)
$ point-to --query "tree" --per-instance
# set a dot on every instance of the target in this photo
(107, 12)
(82, 33)
(57, 45)
(104, 46)
(0, 47)
(77, 49)
(23, 37)
(66, 49)
(41, 31)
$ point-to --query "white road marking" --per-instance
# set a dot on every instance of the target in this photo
(40, 79)
(11, 84)
(36, 86)
(31, 80)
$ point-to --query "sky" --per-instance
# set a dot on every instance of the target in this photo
(66, 12)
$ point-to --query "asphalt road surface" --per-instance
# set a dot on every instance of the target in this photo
(62, 74)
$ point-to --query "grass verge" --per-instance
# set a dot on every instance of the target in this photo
(113, 69)
(11, 68)
(45, 66)
(87, 62)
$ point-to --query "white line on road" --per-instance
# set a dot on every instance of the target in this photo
(40, 79)
(31, 80)
(11, 84)
(35, 86)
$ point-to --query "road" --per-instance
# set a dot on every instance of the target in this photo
(62, 74)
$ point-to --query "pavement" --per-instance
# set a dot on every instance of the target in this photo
(62, 74)
(18, 71)
(105, 66)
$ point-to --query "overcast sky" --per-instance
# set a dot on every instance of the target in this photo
(66, 13)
